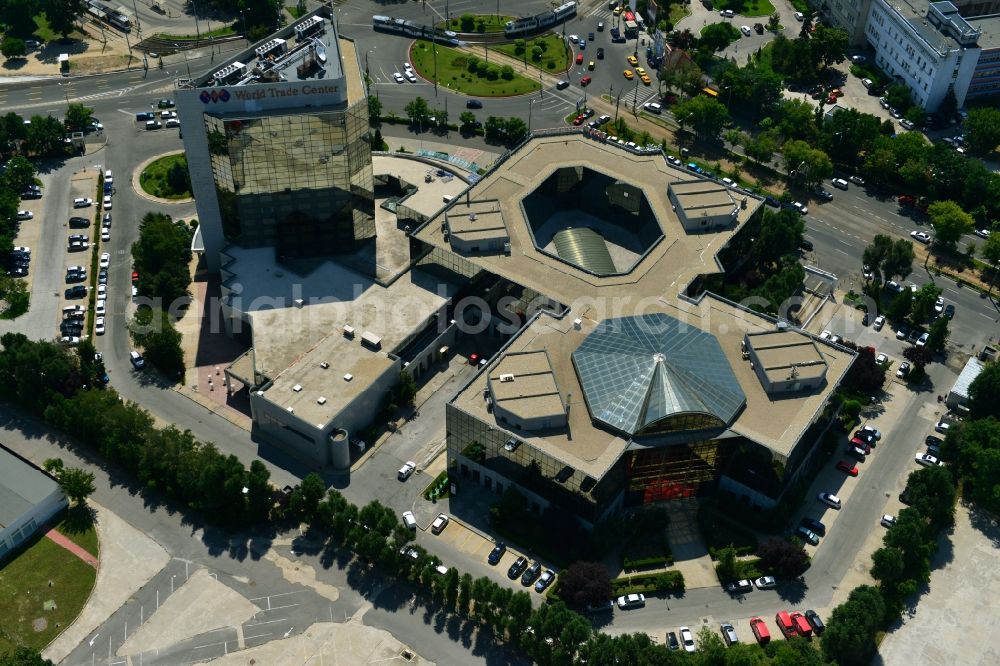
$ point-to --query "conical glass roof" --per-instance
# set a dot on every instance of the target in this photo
(638, 370)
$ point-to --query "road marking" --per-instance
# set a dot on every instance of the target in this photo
(250, 638)
(983, 314)
(257, 624)
(278, 594)
(273, 608)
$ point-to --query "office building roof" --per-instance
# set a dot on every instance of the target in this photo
(636, 371)
(524, 385)
(22, 486)
(783, 353)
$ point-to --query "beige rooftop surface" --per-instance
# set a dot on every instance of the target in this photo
(665, 271)
(779, 351)
(776, 423)
(429, 197)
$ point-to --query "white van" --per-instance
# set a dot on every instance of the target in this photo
(137, 360)
(153, 124)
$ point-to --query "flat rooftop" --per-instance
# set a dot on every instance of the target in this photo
(777, 423)
(524, 384)
(292, 312)
(428, 200)
(475, 220)
(665, 270)
(704, 196)
(305, 50)
(779, 351)
(21, 487)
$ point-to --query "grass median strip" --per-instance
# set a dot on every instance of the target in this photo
(467, 73)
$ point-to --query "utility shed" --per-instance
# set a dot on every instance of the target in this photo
(28, 498)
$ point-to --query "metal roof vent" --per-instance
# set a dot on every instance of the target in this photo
(506, 378)
(324, 365)
(297, 388)
(348, 377)
(321, 400)
(291, 410)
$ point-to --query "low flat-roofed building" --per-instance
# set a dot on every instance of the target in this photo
(523, 390)
(703, 204)
(28, 498)
(786, 361)
(476, 226)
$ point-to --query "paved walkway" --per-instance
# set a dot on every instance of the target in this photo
(72, 547)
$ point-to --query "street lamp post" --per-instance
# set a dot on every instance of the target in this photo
(243, 20)
(531, 104)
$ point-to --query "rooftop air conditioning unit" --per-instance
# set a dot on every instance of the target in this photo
(348, 331)
(506, 378)
(324, 365)
(297, 388)
(321, 400)
(348, 377)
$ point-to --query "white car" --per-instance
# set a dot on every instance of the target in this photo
(879, 322)
(82, 202)
(887, 520)
(574, 39)
(921, 236)
(926, 459)
(172, 122)
(867, 83)
(825, 335)
(105, 235)
(109, 177)
(107, 202)
(99, 326)
(410, 76)
(407, 67)
(100, 309)
(766, 583)
(799, 16)
(907, 124)
(399, 77)
(409, 520)
(858, 59)
(942, 427)
(983, 233)
(903, 370)
(631, 601)
(687, 640)
(800, 207)
(829, 499)
(25, 215)
(922, 340)
(726, 13)
(875, 432)
(745, 29)
(439, 523)
(102, 291)
(105, 260)
(406, 470)
(882, 358)
(70, 340)
(939, 305)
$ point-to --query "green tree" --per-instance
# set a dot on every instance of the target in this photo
(178, 177)
(706, 115)
(13, 47)
(717, 36)
(45, 136)
(77, 484)
(162, 256)
(931, 491)
(975, 450)
(78, 117)
(849, 638)
(983, 392)
(887, 565)
(710, 648)
(938, 334)
(990, 250)
(19, 174)
(507, 72)
(900, 306)
(949, 222)
(761, 148)
(467, 118)
(23, 656)
(63, 14)
(982, 130)
(152, 330)
(780, 235)
(796, 119)
(806, 166)
(923, 303)
(417, 111)
(727, 567)
(828, 45)
(584, 583)
(783, 558)
(516, 130)
(374, 109)
(464, 595)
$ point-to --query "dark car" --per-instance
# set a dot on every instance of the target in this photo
(78, 223)
(808, 535)
(516, 569)
(600, 53)
(144, 116)
(473, 104)
(75, 276)
(949, 311)
(772, 202)
(531, 573)
(815, 621)
(165, 104)
(759, 28)
(497, 553)
(739, 587)
(807, 245)
(71, 327)
(672, 642)
(814, 525)
(79, 291)
(825, 195)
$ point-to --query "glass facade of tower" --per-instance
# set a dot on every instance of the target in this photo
(299, 182)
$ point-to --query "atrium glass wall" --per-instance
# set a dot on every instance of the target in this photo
(674, 472)
(301, 183)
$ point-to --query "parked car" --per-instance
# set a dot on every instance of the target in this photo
(728, 633)
(921, 236)
(942, 426)
(766, 583)
(875, 432)
(439, 523)
(829, 499)
(903, 370)
(807, 534)
(814, 620)
(545, 580)
(848, 468)
(105, 260)
(630, 601)
(687, 639)
(406, 470)
(82, 202)
(518, 567)
(497, 553)
(531, 573)
(887, 520)
(800, 207)
(739, 587)
(814, 525)
(672, 641)
(409, 520)
(926, 459)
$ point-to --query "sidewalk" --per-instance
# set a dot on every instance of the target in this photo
(71, 547)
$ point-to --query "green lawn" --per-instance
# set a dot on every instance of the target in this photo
(224, 31)
(41, 593)
(44, 32)
(555, 56)
(77, 525)
(453, 73)
(483, 23)
(154, 178)
(748, 8)
(677, 12)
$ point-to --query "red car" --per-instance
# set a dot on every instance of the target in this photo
(474, 359)
(579, 58)
(851, 469)
(135, 276)
(832, 99)
(585, 81)
(861, 444)
(579, 120)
